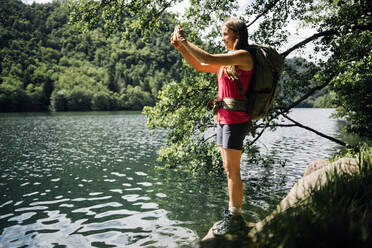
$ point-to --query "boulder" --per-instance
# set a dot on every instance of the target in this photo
(226, 241)
(316, 165)
(306, 184)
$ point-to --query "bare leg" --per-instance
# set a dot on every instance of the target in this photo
(232, 222)
(231, 162)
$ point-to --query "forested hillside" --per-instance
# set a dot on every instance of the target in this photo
(46, 64)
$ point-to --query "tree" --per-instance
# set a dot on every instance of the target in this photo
(343, 34)
(351, 63)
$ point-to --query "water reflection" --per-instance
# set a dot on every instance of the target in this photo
(88, 179)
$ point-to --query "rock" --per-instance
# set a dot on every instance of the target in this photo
(316, 165)
(210, 235)
(228, 240)
(306, 184)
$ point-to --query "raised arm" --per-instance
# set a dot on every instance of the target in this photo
(241, 58)
(191, 60)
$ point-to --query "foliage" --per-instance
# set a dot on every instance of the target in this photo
(325, 100)
(47, 63)
(296, 80)
(354, 82)
(351, 63)
(183, 105)
(125, 16)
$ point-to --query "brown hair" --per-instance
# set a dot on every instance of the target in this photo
(238, 27)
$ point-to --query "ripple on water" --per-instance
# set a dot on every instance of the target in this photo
(92, 210)
(120, 191)
(133, 189)
(145, 184)
(137, 229)
(147, 205)
(22, 217)
(135, 197)
(48, 202)
(30, 208)
(31, 194)
(140, 173)
(161, 195)
(118, 174)
(95, 193)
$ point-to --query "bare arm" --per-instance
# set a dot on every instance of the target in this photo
(241, 58)
(191, 60)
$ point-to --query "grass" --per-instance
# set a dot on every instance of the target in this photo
(339, 214)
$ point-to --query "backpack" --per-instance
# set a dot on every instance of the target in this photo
(268, 65)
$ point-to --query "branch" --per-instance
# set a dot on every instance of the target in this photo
(282, 125)
(157, 15)
(283, 110)
(269, 7)
(205, 140)
(258, 136)
(316, 132)
(311, 38)
(304, 97)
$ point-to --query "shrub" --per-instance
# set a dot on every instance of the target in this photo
(59, 100)
(101, 101)
(80, 99)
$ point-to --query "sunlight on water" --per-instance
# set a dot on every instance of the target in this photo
(88, 180)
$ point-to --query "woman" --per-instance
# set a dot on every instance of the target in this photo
(232, 126)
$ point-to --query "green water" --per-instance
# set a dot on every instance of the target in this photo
(89, 180)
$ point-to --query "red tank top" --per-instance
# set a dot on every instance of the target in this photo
(229, 88)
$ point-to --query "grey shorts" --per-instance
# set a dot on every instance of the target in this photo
(231, 136)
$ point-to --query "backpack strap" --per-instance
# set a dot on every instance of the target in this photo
(229, 103)
(239, 84)
(233, 104)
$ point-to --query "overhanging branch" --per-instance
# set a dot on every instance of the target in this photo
(311, 38)
(268, 8)
(285, 109)
(315, 131)
(304, 97)
(257, 137)
(157, 15)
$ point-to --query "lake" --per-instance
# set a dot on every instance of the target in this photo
(89, 179)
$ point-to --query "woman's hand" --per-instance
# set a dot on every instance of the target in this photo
(177, 37)
(178, 40)
(175, 42)
(180, 33)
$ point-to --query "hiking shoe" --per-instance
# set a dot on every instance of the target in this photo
(230, 224)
